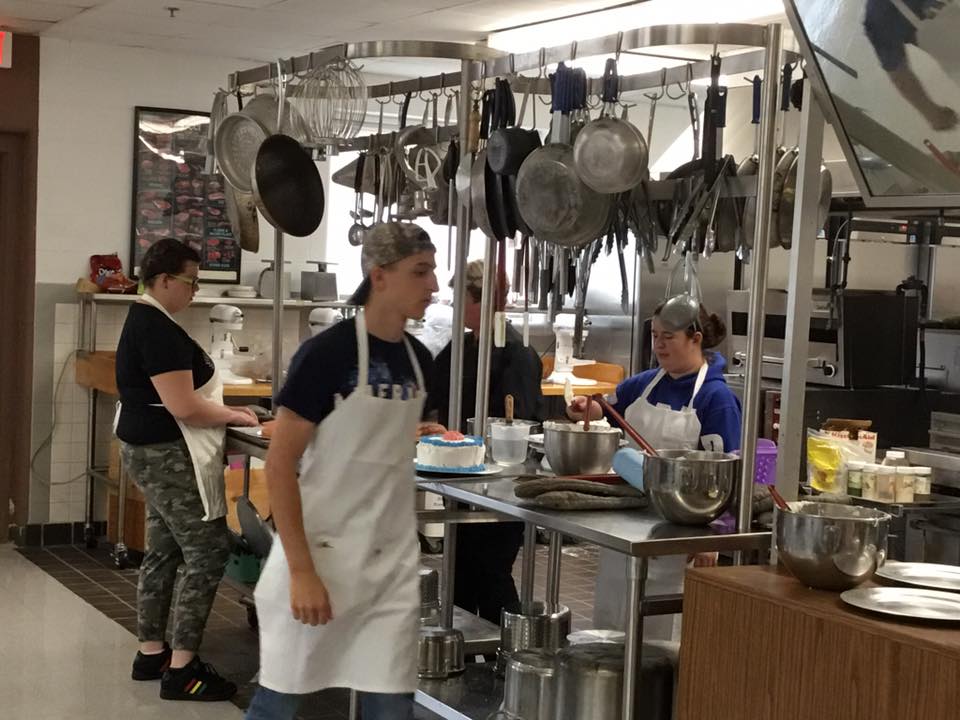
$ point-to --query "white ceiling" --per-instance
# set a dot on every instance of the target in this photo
(263, 30)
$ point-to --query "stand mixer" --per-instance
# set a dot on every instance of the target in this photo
(224, 321)
(564, 361)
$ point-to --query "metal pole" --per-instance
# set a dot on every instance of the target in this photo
(277, 312)
(449, 567)
(633, 650)
(800, 295)
(485, 341)
(469, 72)
(553, 572)
(758, 285)
(529, 567)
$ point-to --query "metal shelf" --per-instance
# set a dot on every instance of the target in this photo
(111, 299)
(472, 695)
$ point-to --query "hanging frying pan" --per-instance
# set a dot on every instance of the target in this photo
(287, 186)
(478, 173)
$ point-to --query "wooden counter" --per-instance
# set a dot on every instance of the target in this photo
(757, 645)
(555, 390)
(98, 370)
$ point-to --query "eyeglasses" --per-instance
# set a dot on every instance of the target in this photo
(193, 282)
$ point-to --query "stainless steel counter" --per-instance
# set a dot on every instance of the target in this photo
(640, 533)
(472, 695)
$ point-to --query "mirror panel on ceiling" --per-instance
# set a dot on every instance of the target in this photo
(888, 72)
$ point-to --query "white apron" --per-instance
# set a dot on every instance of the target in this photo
(206, 444)
(358, 495)
(664, 428)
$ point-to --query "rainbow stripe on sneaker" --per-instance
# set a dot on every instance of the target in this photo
(195, 687)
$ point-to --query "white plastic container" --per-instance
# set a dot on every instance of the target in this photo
(905, 484)
(922, 483)
(895, 458)
(869, 481)
(886, 483)
(508, 442)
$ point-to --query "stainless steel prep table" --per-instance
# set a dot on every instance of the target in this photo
(639, 534)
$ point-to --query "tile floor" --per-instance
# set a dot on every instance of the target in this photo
(86, 584)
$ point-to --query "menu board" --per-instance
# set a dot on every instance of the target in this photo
(174, 197)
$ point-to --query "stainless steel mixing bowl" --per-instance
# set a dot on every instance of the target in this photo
(690, 487)
(829, 546)
(571, 451)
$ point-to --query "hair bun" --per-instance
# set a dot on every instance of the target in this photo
(714, 329)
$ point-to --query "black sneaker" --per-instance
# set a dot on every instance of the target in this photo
(196, 681)
(151, 667)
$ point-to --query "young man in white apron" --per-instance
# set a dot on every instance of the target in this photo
(171, 423)
(685, 404)
(338, 600)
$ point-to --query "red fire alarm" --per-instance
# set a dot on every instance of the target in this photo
(6, 49)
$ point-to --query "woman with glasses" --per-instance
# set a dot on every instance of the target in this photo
(683, 404)
(171, 422)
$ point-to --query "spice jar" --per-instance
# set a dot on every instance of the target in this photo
(869, 481)
(855, 478)
(886, 483)
(905, 484)
(923, 477)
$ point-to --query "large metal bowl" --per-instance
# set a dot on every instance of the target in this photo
(571, 451)
(690, 487)
(829, 546)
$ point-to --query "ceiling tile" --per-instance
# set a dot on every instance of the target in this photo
(24, 27)
(39, 10)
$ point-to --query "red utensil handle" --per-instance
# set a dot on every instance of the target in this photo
(778, 498)
(627, 428)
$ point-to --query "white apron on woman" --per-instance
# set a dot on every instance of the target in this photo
(665, 429)
(358, 494)
(206, 444)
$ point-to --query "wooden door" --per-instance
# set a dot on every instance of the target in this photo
(17, 274)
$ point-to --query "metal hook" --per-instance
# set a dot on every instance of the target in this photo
(616, 55)
(653, 97)
(573, 51)
(511, 61)
(543, 63)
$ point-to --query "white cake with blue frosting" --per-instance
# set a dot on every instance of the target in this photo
(451, 451)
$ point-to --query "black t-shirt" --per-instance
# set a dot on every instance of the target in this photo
(326, 366)
(152, 344)
(514, 370)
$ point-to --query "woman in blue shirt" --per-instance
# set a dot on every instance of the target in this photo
(684, 404)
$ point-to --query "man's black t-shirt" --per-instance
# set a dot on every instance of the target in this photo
(514, 370)
(326, 366)
(151, 344)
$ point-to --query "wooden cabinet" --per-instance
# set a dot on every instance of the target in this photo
(757, 645)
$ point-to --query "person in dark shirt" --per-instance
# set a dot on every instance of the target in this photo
(889, 30)
(171, 425)
(484, 582)
(340, 472)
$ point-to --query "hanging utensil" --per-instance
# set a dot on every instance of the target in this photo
(358, 229)
(557, 205)
(610, 154)
(285, 179)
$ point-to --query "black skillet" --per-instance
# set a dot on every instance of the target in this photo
(287, 186)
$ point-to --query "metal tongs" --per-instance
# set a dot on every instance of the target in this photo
(695, 207)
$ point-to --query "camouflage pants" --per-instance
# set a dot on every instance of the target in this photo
(179, 541)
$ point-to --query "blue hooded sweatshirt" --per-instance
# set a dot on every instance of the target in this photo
(717, 408)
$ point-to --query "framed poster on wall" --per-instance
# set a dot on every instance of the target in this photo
(173, 196)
